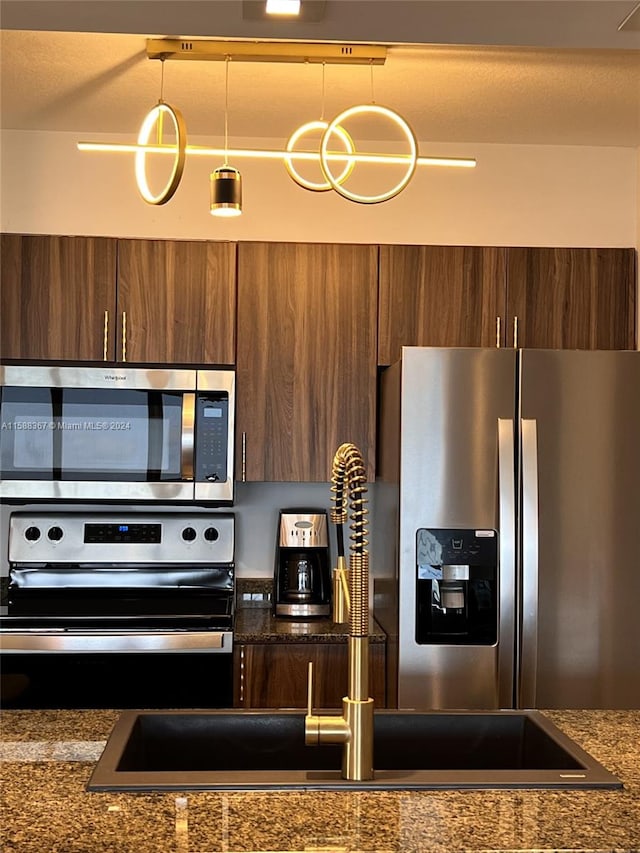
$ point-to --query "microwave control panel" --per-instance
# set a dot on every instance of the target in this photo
(212, 432)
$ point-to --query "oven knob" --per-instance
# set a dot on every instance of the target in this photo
(188, 534)
(55, 534)
(211, 534)
(32, 534)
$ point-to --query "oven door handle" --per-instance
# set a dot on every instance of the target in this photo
(187, 435)
(43, 642)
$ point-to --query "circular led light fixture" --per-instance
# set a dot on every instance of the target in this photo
(154, 116)
(303, 130)
(412, 156)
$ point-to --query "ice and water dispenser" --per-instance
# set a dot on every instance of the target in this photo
(456, 587)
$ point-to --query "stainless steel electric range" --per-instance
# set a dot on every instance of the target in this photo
(119, 610)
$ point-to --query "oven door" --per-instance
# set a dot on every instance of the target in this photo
(87, 433)
(63, 668)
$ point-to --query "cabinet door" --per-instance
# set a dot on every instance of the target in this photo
(176, 302)
(274, 675)
(571, 298)
(306, 367)
(57, 297)
(444, 296)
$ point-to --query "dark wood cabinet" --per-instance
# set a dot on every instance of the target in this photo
(102, 299)
(439, 296)
(571, 298)
(274, 675)
(306, 357)
(565, 298)
(57, 296)
(176, 301)
(306, 323)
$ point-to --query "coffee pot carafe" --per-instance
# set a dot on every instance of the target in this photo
(302, 577)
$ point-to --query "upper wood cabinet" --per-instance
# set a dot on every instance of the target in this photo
(439, 296)
(176, 302)
(55, 297)
(101, 299)
(306, 357)
(571, 298)
(560, 298)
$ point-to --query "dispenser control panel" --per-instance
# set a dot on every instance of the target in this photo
(449, 547)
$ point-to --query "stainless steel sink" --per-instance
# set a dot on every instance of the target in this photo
(246, 750)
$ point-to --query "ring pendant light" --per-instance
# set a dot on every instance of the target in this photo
(411, 158)
(363, 109)
(310, 127)
(155, 118)
(303, 130)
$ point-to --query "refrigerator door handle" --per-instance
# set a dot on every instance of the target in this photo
(529, 576)
(507, 547)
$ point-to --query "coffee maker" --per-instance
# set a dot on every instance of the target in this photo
(302, 576)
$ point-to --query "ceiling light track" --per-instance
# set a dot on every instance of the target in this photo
(249, 51)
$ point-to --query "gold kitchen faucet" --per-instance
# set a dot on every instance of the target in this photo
(354, 728)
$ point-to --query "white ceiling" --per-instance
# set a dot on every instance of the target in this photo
(507, 71)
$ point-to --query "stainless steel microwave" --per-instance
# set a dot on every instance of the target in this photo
(116, 433)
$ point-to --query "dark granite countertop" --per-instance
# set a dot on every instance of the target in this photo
(259, 625)
(255, 622)
(49, 756)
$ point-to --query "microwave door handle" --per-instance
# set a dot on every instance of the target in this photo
(187, 436)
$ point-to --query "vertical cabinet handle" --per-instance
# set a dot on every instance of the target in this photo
(244, 457)
(515, 332)
(105, 336)
(124, 335)
(241, 678)
(310, 689)
(497, 332)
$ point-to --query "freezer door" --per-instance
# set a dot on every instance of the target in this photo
(580, 469)
(456, 457)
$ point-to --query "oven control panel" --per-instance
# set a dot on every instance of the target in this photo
(80, 537)
(122, 532)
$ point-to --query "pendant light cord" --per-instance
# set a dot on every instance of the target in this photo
(323, 91)
(226, 109)
(160, 122)
(373, 100)
(162, 80)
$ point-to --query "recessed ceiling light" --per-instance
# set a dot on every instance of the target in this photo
(306, 11)
(283, 7)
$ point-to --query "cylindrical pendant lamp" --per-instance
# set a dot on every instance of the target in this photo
(226, 191)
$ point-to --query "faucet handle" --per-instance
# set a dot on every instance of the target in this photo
(310, 689)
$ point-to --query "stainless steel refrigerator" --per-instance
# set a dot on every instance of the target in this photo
(506, 528)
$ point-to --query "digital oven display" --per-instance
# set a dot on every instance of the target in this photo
(125, 533)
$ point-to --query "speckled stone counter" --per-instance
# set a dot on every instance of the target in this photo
(49, 756)
(255, 622)
(259, 625)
